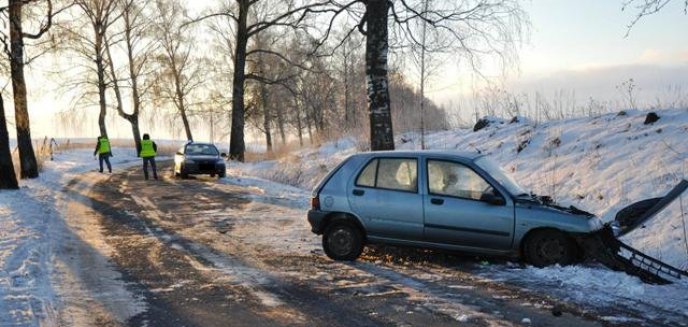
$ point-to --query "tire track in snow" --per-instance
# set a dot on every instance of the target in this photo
(92, 289)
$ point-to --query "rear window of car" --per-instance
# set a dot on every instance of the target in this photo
(201, 150)
(390, 173)
(367, 176)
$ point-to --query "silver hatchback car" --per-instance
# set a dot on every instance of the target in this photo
(443, 200)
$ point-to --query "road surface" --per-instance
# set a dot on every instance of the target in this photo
(199, 252)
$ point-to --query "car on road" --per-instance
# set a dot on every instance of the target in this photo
(443, 200)
(196, 158)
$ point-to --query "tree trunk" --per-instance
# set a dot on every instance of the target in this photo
(27, 158)
(266, 116)
(134, 121)
(237, 147)
(320, 121)
(133, 118)
(281, 123)
(377, 47)
(181, 104)
(8, 180)
(422, 79)
(299, 125)
(348, 115)
(309, 127)
(185, 119)
(100, 69)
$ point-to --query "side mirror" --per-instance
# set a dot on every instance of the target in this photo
(223, 155)
(493, 199)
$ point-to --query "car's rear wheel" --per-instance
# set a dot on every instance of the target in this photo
(549, 247)
(343, 241)
(222, 175)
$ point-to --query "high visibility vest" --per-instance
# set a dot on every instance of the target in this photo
(147, 149)
(103, 145)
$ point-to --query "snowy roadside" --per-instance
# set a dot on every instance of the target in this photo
(32, 227)
(600, 164)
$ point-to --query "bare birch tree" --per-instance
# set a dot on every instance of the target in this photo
(134, 32)
(100, 15)
(180, 74)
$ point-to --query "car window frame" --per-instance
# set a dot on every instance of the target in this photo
(430, 193)
(377, 168)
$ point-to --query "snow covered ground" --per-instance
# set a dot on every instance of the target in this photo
(599, 164)
(31, 227)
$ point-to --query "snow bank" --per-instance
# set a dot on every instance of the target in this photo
(665, 236)
(598, 286)
(601, 164)
(303, 169)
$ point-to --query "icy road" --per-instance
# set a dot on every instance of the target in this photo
(87, 249)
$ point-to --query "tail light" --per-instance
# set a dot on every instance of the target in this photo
(315, 203)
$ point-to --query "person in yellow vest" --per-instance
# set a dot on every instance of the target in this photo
(148, 150)
(104, 152)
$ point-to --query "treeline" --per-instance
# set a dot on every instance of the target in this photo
(301, 68)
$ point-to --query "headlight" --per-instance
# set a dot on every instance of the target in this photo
(189, 162)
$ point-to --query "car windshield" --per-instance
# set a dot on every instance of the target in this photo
(498, 174)
(201, 150)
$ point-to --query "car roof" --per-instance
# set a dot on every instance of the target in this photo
(467, 156)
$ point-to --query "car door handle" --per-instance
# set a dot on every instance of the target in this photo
(359, 192)
(438, 202)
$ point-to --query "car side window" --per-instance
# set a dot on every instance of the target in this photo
(397, 174)
(367, 176)
(454, 179)
(390, 173)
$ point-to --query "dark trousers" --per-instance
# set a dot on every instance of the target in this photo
(145, 167)
(104, 157)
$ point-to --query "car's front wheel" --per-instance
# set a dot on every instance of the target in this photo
(343, 241)
(549, 247)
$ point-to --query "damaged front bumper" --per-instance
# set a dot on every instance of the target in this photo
(603, 246)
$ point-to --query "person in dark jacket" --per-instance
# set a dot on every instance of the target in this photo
(148, 150)
(104, 152)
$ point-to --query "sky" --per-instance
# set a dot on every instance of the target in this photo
(579, 46)
(582, 45)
